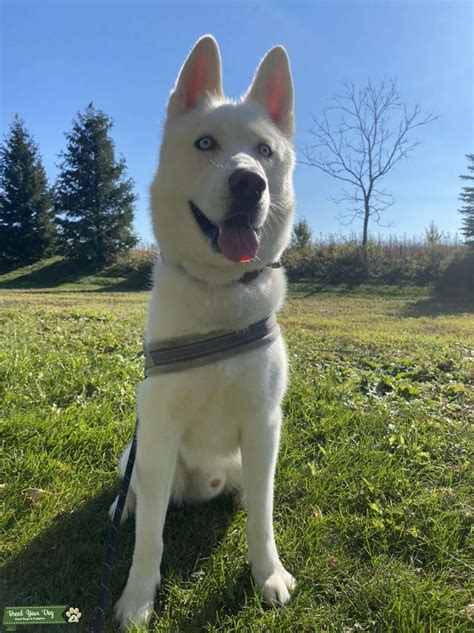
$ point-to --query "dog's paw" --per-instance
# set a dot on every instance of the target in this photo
(133, 607)
(276, 585)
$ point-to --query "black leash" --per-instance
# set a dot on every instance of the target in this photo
(112, 540)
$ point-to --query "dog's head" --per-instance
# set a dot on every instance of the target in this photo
(222, 199)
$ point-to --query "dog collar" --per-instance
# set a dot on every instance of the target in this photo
(192, 351)
(246, 277)
(250, 276)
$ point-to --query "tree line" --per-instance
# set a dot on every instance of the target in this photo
(86, 215)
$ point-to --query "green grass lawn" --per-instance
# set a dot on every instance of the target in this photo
(372, 508)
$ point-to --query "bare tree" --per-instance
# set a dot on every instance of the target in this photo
(371, 135)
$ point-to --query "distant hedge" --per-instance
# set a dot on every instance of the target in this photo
(391, 262)
(449, 266)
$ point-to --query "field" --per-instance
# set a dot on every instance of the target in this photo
(373, 506)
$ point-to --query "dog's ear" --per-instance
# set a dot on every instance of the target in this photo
(272, 87)
(199, 76)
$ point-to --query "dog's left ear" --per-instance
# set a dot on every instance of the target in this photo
(199, 76)
(272, 87)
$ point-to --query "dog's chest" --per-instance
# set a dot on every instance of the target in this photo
(216, 401)
(209, 405)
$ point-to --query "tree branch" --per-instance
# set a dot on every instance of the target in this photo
(362, 135)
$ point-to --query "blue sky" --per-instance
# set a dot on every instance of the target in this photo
(57, 56)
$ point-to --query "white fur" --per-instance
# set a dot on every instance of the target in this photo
(214, 428)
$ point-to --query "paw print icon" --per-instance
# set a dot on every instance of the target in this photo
(73, 615)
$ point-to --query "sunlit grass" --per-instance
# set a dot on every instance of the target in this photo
(373, 505)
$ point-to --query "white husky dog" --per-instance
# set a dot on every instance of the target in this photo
(222, 203)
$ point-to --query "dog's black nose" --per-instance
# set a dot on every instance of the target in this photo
(247, 186)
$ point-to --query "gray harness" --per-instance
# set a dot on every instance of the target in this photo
(188, 352)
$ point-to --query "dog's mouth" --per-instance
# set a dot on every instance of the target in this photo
(236, 239)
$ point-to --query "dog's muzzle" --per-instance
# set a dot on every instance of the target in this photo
(237, 236)
(246, 188)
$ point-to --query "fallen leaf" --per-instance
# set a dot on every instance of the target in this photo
(332, 562)
(317, 514)
(34, 494)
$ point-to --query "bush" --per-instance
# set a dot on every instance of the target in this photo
(137, 261)
(457, 280)
(449, 265)
(391, 261)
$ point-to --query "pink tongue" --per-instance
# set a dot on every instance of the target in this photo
(237, 242)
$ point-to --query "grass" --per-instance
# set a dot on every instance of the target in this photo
(373, 505)
(131, 272)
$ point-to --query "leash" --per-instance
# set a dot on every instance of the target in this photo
(106, 572)
(177, 355)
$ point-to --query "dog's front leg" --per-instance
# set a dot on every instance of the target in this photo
(157, 450)
(259, 446)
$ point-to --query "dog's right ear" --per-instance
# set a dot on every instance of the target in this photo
(199, 76)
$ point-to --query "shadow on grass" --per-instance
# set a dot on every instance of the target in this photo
(6, 267)
(62, 565)
(444, 298)
(51, 275)
(310, 288)
(453, 293)
(133, 282)
(437, 306)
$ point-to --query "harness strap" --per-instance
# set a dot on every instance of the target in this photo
(189, 352)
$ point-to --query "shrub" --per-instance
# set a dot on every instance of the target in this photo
(389, 261)
(137, 261)
(457, 279)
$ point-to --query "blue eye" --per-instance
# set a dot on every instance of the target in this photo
(264, 150)
(205, 143)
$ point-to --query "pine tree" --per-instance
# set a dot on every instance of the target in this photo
(94, 201)
(27, 229)
(433, 235)
(467, 197)
(302, 235)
